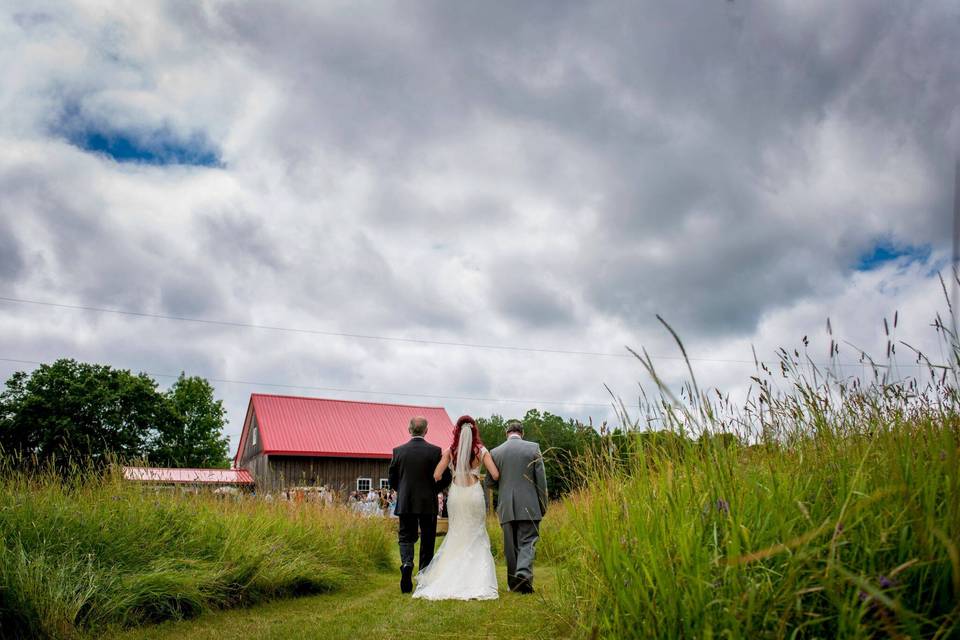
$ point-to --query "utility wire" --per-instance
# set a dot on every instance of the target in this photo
(362, 391)
(319, 332)
(362, 336)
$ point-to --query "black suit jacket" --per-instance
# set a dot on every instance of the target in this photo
(411, 475)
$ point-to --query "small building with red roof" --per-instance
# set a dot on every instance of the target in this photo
(344, 444)
(198, 477)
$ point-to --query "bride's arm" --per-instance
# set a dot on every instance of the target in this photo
(441, 466)
(491, 465)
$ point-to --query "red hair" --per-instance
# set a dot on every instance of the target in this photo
(477, 443)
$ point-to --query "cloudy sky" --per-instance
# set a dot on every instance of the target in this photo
(541, 175)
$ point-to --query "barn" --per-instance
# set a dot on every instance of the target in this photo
(344, 444)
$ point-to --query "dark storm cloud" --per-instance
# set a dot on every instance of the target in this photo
(241, 240)
(523, 291)
(189, 293)
(720, 288)
(81, 251)
(11, 258)
(533, 304)
(669, 112)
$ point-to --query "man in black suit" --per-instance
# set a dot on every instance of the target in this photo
(411, 475)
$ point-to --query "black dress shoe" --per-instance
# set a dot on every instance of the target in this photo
(406, 578)
(523, 586)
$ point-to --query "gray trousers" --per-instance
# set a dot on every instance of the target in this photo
(519, 546)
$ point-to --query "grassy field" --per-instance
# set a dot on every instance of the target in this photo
(81, 555)
(822, 508)
(852, 539)
(375, 608)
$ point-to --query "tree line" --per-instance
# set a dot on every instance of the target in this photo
(71, 411)
(74, 412)
(561, 440)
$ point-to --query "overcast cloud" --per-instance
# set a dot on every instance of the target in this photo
(546, 175)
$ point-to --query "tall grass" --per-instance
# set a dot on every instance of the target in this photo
(92, 551)
(834, 512)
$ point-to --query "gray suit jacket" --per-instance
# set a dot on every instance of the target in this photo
(523, 481)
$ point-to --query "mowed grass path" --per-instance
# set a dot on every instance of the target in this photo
(375, 608)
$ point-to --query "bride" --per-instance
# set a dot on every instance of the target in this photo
(463, 568)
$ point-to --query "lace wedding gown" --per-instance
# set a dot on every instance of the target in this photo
(462, 568)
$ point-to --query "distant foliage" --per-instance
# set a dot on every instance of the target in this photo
(195, 438)
(71, 410)
(560, 440)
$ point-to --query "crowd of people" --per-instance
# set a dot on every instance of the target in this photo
(375, 502)
(322, 495)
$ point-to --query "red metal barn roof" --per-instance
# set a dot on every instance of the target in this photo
(290, 425)
(188, 476)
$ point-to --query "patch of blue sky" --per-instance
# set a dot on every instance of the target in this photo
(883, 253)
(160, 147)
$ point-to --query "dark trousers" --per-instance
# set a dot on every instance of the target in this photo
(410, 524)
(519, 546)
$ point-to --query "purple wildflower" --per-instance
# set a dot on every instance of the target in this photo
(885, 582)
(723, 506)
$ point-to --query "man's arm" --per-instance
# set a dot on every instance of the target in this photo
(445, 479)
(488, 480)
(394, 472)
(540, 478)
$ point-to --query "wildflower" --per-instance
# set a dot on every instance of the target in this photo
(723, 506)
(885, 582)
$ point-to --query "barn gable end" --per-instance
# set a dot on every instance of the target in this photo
(295, 441)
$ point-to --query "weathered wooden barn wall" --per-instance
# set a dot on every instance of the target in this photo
(253, 445)
(274, 472)
(338, 473)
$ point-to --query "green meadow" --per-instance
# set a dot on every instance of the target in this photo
(89, 553)
(821, 507)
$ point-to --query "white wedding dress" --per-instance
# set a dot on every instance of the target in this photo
(462, 568)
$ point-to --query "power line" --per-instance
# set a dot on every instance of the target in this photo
(319, 332)
(423, 341)
(362, 391)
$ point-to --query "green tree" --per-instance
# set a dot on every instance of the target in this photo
(195, 438)
(561, 441)
(72, 410)
(492, 430)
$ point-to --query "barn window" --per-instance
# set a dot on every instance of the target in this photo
(253, 434)
(384, 483)
(364, 484)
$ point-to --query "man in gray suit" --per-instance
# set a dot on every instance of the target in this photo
(521, 505)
